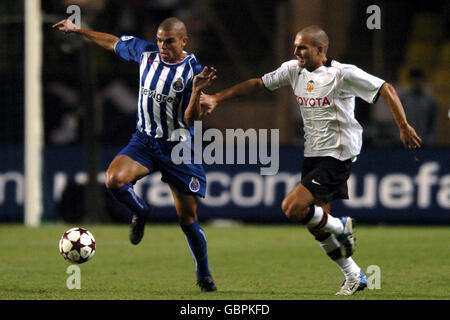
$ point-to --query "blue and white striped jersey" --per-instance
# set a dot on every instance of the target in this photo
(164, 89)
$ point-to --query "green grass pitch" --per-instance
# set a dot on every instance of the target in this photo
(274, 262)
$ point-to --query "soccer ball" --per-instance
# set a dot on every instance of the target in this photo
(77, 245)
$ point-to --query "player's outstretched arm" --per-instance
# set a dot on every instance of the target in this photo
(104, 40)
(408, 135)
(245, 88)
(202, 80)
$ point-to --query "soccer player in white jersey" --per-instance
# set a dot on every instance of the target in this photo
(325, 91)
(169, 94)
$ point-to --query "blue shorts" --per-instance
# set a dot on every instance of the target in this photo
(155, 155)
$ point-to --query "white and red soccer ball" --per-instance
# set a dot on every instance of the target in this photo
(77, 245)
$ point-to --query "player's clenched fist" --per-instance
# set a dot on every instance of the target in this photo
(209, 101)
(66, 26)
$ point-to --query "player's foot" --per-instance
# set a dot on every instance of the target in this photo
(349, 287)
(206, 284)
(137, 229)
(346, 237)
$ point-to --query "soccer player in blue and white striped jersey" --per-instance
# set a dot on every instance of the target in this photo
(170, 84)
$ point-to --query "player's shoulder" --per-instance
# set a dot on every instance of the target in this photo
(195, 65)
(192, 59)
(290, 68)
(343, 66)
(291, 65)
(346, 69)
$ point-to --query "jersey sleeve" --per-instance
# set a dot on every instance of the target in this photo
(131, 48)
(197, 67)
(280, 77)
(361, 84)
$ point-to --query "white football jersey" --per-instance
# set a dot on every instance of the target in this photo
(326, 98)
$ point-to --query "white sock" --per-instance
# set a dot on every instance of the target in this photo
(326, 222)
(348, 267)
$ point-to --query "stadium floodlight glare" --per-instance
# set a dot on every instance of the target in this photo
(33, 113)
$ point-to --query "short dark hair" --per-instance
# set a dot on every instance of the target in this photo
(173, 23)
(318, 36)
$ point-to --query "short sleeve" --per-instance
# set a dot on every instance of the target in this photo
(280, 77)
(361, 84)
(131, 48)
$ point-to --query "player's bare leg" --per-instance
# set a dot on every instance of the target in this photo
(355, 279)
(297, 203)
(186, 206)
(120, 176)
(123, 170)
(299, 206)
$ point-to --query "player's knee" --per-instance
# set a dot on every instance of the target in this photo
(285, 206)
(293, 210)
(187, 217)
(115, 180)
